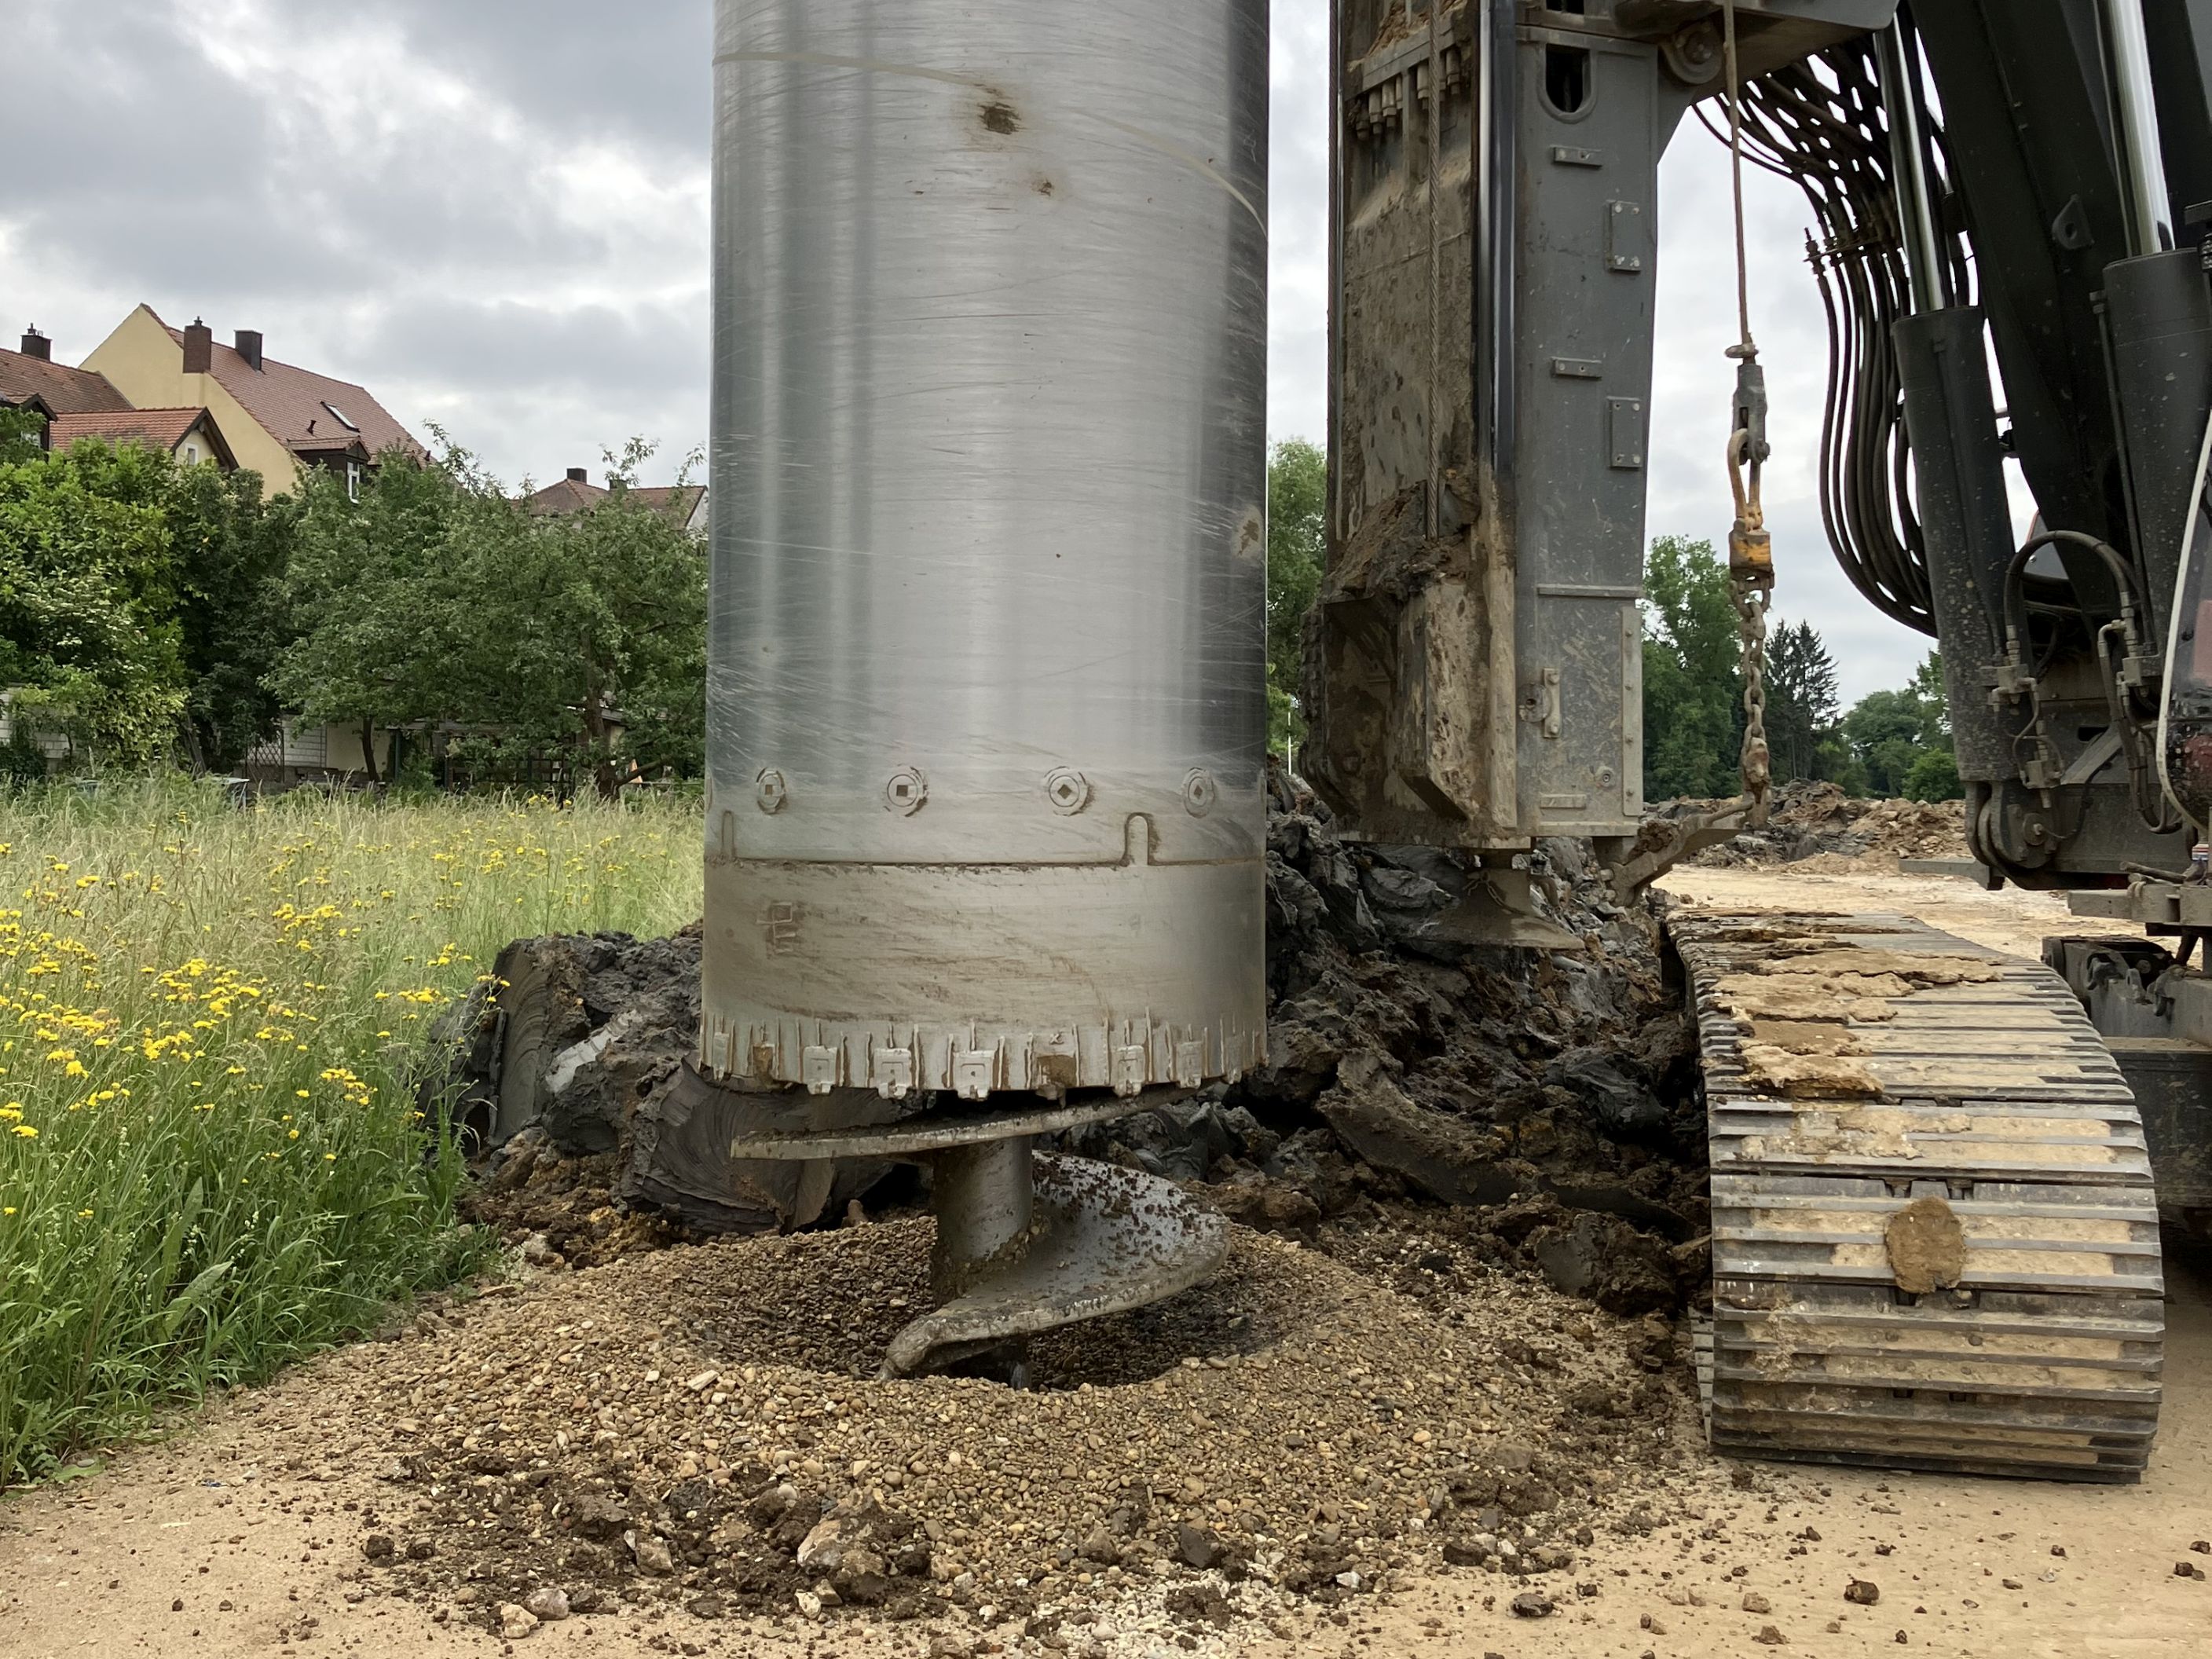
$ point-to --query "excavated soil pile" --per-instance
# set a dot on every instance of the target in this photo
(702, 1428)
(1817, 825)
(1554, 1092)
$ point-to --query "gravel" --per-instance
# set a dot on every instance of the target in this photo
(703, 1429)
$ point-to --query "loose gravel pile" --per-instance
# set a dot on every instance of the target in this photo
(703, 1428)
(1818, 826)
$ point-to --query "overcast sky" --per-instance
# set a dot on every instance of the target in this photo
(494, 214)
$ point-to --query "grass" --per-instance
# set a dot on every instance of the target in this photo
(212, 1021)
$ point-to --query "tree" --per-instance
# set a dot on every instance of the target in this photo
(1802, 702)
(1297, 517)
(88, 636)
(233, 552)
(595, 624)
(1903, 738)
(378, 590)
(434, 597)
(1693, 673)
(21, 433)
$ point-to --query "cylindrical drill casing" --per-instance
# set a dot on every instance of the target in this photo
(986, 710)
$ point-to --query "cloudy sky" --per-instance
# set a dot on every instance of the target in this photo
(494, 214)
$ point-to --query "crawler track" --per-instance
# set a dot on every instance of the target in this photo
(1997, 1101)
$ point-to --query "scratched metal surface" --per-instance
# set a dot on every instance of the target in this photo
(989, 548)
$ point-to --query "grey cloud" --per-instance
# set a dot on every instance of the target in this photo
(451, 268)
(637, 73)
(584, 350)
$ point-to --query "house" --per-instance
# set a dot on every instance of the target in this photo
(31, 378)
(684, 503)
(190, 434)
(277, 417)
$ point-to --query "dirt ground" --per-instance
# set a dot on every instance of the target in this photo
(244, 1533)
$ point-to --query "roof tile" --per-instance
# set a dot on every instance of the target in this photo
(307, 412)
(64, 390)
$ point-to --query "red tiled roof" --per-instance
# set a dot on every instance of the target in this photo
(300, 408)
(562, 496)
(157, 428)
(567, 496)
(679, 501)
(64, 390)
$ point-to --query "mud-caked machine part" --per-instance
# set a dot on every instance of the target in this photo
(1935, 1234)
(986, 708)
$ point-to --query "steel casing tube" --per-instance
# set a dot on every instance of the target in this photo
(986, 702)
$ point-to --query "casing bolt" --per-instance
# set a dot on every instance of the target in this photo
(1068, 791)
(1200, 792)
(770, 792)
(906, 792)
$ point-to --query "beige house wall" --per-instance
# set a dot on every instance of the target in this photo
(143, 363)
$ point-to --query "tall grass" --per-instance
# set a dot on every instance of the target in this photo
(211, 1021)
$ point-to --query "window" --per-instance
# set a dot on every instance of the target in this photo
(191, 454)
(353, 480)
(338, 415)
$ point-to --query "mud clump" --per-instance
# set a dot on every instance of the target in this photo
(1404, 1065)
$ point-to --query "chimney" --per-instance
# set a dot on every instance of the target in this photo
(36, 344)
(579, 475)
(200, 349)
(249, 347)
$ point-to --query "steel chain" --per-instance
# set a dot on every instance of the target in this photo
(1756, 764)
(1750, 549)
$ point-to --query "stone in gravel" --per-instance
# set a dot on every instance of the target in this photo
(771, 1506)
(1532, 1604)
(586, 1600)
(1770, 1636)
(1650, 1623)
(2187, 1570)
(650, 1553)
(516, 1621)
(2202, 1546)
(421, 1549)
(600, 1519)
(377, 1546)
(820, 1548)
(546, 1606)
(1197, 1548)
(862, 1577)
(2012, 1584)
(1099, 1546)
(1459, 1553)
(2058, 1550)
(1754, 1602)
(538, 1251)
(950, 1645)
(1860, 1591)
